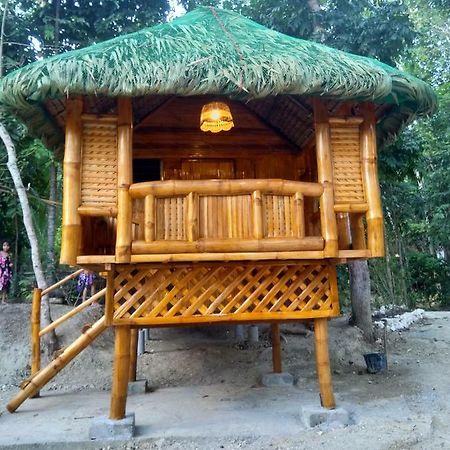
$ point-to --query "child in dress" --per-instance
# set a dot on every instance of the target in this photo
(86, 283)
(5, 272)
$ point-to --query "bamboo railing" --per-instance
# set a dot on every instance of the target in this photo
(198, 216)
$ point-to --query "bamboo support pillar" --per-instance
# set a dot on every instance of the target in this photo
(323, 363)
(109, 296)
(120, 373)
(192, 217)
(258, 231)
(325, 177)
(124, 179)
(299, 215)
(149, 218)
(35, 329)
(276, 348)
(133, 354)
(71, 220)
(374, 215)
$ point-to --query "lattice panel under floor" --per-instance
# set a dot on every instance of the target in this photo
(225, 293)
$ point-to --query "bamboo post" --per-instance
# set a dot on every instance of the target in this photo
(120, 373)
(35, 338)
(358, 232)
(325, 177)
(109, 296)
(47, 373)
(299, 215)
(374, 215)
(323, 363)
(276, 348)
(149, 218)
(71, 221)
(192, 217)
(133, 354)
(258, 232)
(124, 179)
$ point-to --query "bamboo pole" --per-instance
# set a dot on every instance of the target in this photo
(120, 373)
(124, 179)
(71, 221)
(276, 348)
(56, 323)
(374, 216)
(149, 218)
(258, 231)
(325, 176)
(61, 282)
(192, 217)
(133, 354)
(299, 215)
(35, 328)
(109, 296)
(47, 373)
(323, 363)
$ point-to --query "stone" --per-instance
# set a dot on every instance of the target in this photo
(326, 419)
(138, 387)
(282, 379)
(104, 428)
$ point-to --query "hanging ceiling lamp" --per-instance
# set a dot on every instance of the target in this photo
(216, 117)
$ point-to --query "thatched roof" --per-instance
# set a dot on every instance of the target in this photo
(210, 51)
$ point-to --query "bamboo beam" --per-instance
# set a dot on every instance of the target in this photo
(192, 217)
(149, 218)
(173, 188)
(56, 323)
(120, 373)
(258, 231)
(124, 179)
(325, 176)
(109, 296)
(374, 215)
(276, 348)
(35, 328)
(133, 354)
(61, 282)
(46, 374)
(71, 221)
(323, 363)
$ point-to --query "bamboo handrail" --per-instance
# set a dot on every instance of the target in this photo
(224, 187)
(72, 312)
(61, 282)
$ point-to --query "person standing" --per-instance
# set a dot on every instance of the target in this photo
(5, 272)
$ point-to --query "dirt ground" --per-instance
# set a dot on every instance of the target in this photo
(208, 395)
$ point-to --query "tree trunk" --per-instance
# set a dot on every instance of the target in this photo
(360, 297)
(51, 225)
(46, 319)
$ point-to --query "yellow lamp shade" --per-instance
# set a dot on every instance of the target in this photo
(216, 117)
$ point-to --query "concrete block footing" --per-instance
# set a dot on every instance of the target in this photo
(138, 387)
(326, 419)
(104, 428)
(277, 379)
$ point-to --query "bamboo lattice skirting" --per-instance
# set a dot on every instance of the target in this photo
(225, 293)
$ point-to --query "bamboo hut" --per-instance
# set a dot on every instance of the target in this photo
(217, 171)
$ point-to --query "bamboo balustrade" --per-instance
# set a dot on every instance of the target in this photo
(216, 216)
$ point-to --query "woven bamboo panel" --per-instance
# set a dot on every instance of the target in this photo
(225, 293)
(347, 176)
(278, 214)
(99, 164)
(170, 214)
(225, 217)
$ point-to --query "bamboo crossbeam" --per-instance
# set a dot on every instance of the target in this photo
(71, 221)
(276, 348)
(47, 373)
(374, 215)
(124, 179)
(56, 323)
(120, 373)
(97, 211)
(323, 363)
(325, 177)
(35, 327)
(351, 207)
(61, 282)
(172, 188)
(228, 245)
